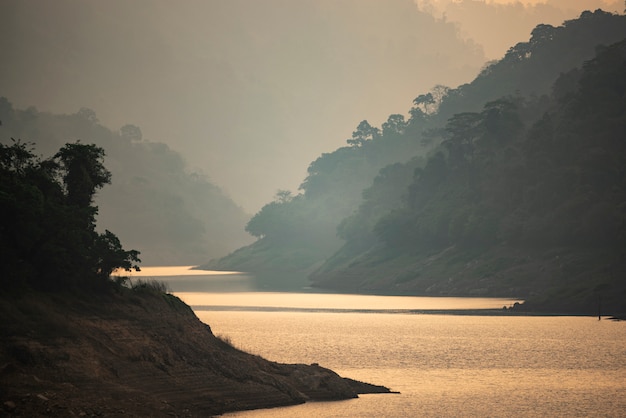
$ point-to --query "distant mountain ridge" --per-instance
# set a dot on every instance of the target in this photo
(457, 185)
(155, 204)
(515, 203)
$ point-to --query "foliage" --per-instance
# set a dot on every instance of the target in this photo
(557, 183)
(84, 172)
(364, 132)
(530, 68)
(474, 182)
(528, 155)
(48, 237)
(534, 176)
(155, 203)
(507, 177)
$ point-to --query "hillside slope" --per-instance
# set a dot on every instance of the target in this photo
(515, 202)
(155, 203)
(138, 353)
(349, 190)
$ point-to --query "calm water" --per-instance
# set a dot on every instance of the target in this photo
(444, 365)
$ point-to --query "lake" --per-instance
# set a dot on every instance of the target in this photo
(446, 356)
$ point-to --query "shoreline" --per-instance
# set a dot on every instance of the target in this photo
(468, 312)
(140, 353)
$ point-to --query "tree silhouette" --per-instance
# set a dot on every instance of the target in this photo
(48, 235)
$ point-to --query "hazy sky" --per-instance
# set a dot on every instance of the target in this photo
(499, 24)
(249, 91)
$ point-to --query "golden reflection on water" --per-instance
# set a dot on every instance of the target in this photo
(339, 301)
(445, 365)
(160, 271)
(214, 283)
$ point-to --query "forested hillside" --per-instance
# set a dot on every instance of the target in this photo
(155, 204)
(295, 232)
(526, 197)
(455, 176)
(91, 338)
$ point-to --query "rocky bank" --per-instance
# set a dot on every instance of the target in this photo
(138, 353)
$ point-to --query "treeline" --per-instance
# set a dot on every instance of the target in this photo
(539, 172)
(295, 232)
(370, 192)
(48, 237)
(525, 198)
(155, 203)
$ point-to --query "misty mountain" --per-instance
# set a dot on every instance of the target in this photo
(496, 25)
(249, 91)
(252, 91)
(154, 204)
(516, 202)
(462, 179)
(296, 232)
(530, 68)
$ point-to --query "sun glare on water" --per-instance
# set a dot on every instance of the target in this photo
(160, 271)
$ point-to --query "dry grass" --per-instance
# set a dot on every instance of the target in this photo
(150, 285)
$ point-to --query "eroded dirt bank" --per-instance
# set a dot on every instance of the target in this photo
(138, 354)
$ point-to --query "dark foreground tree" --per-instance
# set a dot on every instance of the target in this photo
(48, 236)
(84, 172)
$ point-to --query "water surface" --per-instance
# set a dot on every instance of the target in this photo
(444, 364)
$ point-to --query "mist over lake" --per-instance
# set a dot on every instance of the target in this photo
(215, 206)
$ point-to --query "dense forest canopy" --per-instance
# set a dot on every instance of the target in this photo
(528, 156)
(523, 176)
(507, 173)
